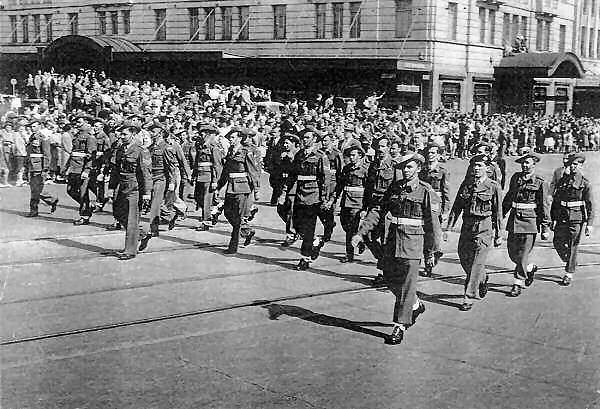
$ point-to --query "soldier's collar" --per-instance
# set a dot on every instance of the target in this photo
(411, 185)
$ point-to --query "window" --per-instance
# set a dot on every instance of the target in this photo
(114, 22)
(492, 19)
(338, 20)
(524, 27)
(320, 16)
(244, 23)
(209, 23)
(49, 35)
(102, 22)
(279, 12)
(160, 24)
(74, 23)
(451, 95)
(37, 28)
(403, 18)
(562, 38)
(452, 21)
(586, 4)
(227, 13)
(506, 29)
(355, 20)
(515, 28)
(547, 28)
(194, 24)
(482, 15)
(591, 43)
(126, 15)
(593, 7)
(13, 29)
(582, 47)
(25, 27)
(539, 35)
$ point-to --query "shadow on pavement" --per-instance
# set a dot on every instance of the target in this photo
(549, 278)
(441, 299)
(49, 218)
(277, 310)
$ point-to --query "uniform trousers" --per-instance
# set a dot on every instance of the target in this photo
(235, 210)
(126, 211)
(305, 220)
(203, 197)
(401, 276)
(158, 194)
(277, 185)
(566, 242)
(350, 219)
(519, 247)
(285, 212)
(78, 189)
(327, 217)
(36, 186)
(473, 249)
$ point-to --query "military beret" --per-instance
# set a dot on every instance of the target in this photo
(579, 157)
(352, 147)
(411, 156)
(536, 158)
(479, 158)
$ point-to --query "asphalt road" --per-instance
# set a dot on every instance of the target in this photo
(183, 326)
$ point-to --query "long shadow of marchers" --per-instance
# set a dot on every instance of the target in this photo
(49, 218)
(82, 246)
(549, 278)
(277, 310)
(440, 299)
(279, 262)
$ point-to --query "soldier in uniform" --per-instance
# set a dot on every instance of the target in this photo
(408, 212)
(310, 175)
(164, 168)
(108, 170)
(207, 167)
(174, 204)
(79, 169)
(336, 162)
(284, 162)
(132, 175)
(38, 161)
(99, 162)
(478, 199)
(527, 205)
(438, 177)
(242, 177)
(572, 208)
(351, 188)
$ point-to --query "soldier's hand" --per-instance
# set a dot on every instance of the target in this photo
(281, 200)
(85, 175)
(356, 240)
(588, 230)
(498, 241)
(213, 186)
(545, 235)
(171, 187)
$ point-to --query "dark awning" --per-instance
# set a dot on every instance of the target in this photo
(562, 65)
(95, 42)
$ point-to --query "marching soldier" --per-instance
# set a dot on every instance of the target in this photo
(108, 170)
(572, 208)
(79, 168)
(336, 163)
(527, 205)
(283, 164)
(38, 160)
(478, 199)
(438, 177)
(351, 188)
(242, 177)
(99, 162)
(207, 167)
(164, 168)
(310, 175)
(175, 205)
(408, 211)
(132, 162)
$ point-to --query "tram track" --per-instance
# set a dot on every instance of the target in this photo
(235, 306)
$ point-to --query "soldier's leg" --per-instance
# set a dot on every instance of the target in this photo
(158, 194)
(246, 230)
(74, 186)
(401, 277)
(478, 275)
(121, 208)
(561, 241)
(35, 186)
(575, 231)
(132, 228)
(85, 211)
(328, 219)
(305, 219)
(233, 213)
(516, 247)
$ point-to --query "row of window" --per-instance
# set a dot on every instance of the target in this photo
(590, 6)
(588, 38)
(113, 18)
(36, 35)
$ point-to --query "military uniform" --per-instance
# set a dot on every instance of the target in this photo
(99, 162)
(207, 167)
(408, 213)
(526, 204)
(38, 162)
(132, 175)
(480, 203)
(351, 188)
(79, 171)
(310, 174)
(242, 177)
(572, 207)
(284, 210)
(326, 214)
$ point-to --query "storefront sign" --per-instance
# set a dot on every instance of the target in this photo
(408, 88)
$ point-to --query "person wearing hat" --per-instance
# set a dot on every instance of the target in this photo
(528, 208)
(38, 161)
(572, 208)
(276, 151)
(97, 182)
(559, 172)
(282, 164)
(79, 167)
(336, 163)
(408, 211)
(479, 201)
(348, 139)
(207, 167)
(132, 175)
(438, 177)
(174, 203)
(493, 170)
(351, 189)
(242, 177)
(163, 169)
(310, 175)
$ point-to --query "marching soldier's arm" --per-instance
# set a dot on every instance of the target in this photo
(323, 177)
(497, 209)
(292, 175)
(555, 207)
(217, 167)
(341, 184)
(145, 166)
(589, 205)
(253, 172)
(113, 181)
(92, 147)
(543, 206)
(445, 191)
(509, 196)
(457, 208)
(45, 145)
(170, 163)
(431, 222)
(502, 167)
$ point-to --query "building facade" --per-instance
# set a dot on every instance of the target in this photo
(427, 53)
